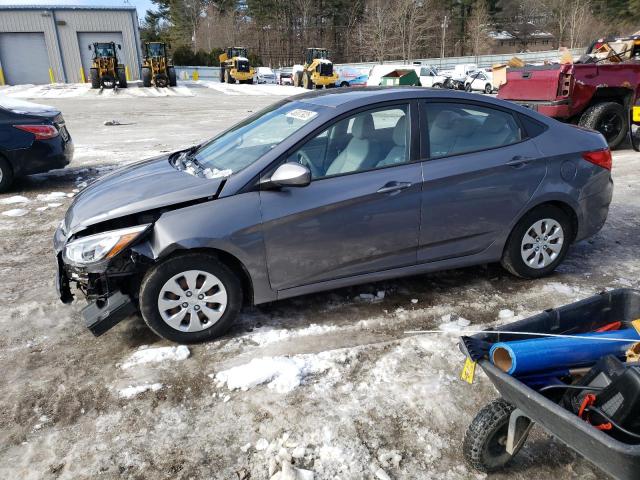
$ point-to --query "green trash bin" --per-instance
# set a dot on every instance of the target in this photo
(400, 77)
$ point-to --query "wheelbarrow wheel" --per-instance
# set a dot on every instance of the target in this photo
(486, 439)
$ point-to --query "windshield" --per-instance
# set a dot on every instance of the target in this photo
(251, 139)
(104, 50)
(155, 50)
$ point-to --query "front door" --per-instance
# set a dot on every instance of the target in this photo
(361, 212)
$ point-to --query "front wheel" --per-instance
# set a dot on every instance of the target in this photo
(122, 78)
(190, 298)
(6, 175)
(538, 243)
(173, 78)
(146, 77)
(467, 87)
(488, 88)
(485, 443)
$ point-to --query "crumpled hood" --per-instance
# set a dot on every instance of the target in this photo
(148, 185)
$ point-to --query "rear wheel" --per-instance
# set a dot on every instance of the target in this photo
(190, 298)
(122, 78)
(608, 118)
(467, 87)
(222, 74)
(485, 442)
(488, 88)
(94, 77)
(6, 175)
(173, 79)
(306, 81)
(538, 243)
(146, 77)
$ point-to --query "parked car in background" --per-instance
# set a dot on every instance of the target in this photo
(265, 75)
(481, 81)
(285, 76)
(351, 77)
(33, 139)
(250, 216)
(459, 72)
(429, 76)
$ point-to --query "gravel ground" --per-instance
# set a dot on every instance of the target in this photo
(332, 379)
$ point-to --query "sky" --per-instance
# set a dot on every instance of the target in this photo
(141, 5)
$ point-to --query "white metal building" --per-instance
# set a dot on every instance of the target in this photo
(50, 43)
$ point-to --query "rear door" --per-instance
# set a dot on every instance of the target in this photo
(361, 212)
(480, 174)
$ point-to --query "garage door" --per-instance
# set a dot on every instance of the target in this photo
(89, 38)
(24, 58)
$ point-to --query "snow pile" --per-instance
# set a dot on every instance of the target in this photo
(131, 392)
(505, 314)
(283, 374)
(271, 335)
(48, 197)
(156, 355)
(453, 323)
(13, 200)
(15, 212)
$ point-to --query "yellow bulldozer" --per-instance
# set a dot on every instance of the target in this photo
(157, 69)
(317, 71)
(235, 66)
(105, 70)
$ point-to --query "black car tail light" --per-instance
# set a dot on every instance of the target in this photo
(41, 132)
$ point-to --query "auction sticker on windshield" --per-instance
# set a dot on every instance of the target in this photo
(300, 114)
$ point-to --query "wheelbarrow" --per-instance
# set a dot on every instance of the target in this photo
(501, 428)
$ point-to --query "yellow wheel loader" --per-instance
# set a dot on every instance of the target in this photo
(157, 69)
(105, 70)
(317, 71)
(235, 67)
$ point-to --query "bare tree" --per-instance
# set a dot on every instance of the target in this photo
(579, 12)
(412, 21)
(378, 28)
(478, 27)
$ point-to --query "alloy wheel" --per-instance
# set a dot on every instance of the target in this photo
(192, 301)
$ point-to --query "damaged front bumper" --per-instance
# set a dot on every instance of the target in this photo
(107, 286)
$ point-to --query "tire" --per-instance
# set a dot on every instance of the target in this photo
(122, 78)
(228, 78)
(467, 87)
(146, 77)
(222, 74)
(306, 81)
(94, 78)
(544, 220)
(6, 175)
(608, 118)
(436, 85)
(154, 283)
(250, 81)
(344, 84)
(488, 88)
(173, 79)
(108, 81)
(484, 445)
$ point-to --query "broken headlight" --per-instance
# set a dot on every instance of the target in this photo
(94, 248)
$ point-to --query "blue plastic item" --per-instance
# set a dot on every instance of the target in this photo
(546, 354)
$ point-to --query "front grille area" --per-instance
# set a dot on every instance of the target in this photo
(326, 69)
(243, 66)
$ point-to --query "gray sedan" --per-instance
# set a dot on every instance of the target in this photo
(326, 190)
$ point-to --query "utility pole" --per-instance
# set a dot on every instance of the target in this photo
(445, 22)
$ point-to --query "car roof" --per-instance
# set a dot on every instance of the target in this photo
(354, 97)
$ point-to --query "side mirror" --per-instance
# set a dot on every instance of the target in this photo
(290, 175)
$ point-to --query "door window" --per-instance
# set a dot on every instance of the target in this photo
(456, 128)
(366, 141)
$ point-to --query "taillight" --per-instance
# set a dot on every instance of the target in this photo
(42, 132)
(602, 158)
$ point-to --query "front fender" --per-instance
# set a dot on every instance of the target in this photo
(232, 225)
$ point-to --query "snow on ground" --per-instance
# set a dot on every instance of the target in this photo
(156, 355)
(254, 89)
(327, 385)
(70, 90)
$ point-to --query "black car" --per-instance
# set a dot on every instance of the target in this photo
(33, 139)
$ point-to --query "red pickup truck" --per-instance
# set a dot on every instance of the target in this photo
(597, 92)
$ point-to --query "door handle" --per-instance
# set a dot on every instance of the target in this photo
(394, 187)
(519, 161)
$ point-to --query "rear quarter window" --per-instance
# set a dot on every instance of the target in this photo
(532, 128)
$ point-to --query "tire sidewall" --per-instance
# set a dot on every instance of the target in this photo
(512, 259)
(592, 115)
(7, 175)
(158, 275)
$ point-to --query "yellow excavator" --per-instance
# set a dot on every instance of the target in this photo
(156, 67)
(317, 71)
(235, 66)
